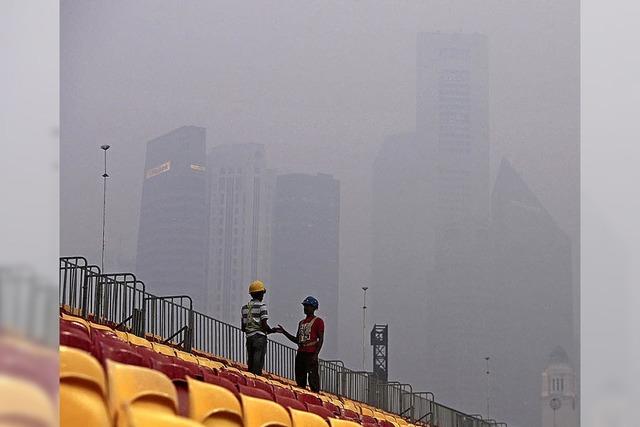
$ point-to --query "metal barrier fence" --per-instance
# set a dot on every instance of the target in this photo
(121, 299)
(170, 318)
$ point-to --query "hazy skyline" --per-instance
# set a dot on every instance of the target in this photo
(320, 84)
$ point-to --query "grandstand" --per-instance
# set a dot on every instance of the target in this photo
(130, 358)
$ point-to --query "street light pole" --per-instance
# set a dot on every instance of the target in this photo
(105, 175)
(488, 372)
(364, 320)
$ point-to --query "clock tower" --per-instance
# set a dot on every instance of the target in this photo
(559, 406)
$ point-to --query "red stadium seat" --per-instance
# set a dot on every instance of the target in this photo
(170, 369)
(350, 414)
(75, 339)
(123, 355)
(368, 419)
(76, 326)
(385, 423)
(220, 381)
(233, 377)
(332, 408)
(309, 398)
(290, 403)
(264, 386)
(320, 410)
(254, 392)
(365, 424)
(285, 392)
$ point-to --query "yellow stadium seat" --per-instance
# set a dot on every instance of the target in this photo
(98, 326)
(349, 404)
(263, 413)
(148, 418)
(213, 406)
(23, 400)
(367, 411)
(163, 349)
(77, 319)
(334, 422)
(186, 356)
(306, 419)
(140, 388)
(121, 334)
(203, 361)
(83, 390)
(136, 340)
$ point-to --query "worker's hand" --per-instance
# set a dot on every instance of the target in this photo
(278, 329)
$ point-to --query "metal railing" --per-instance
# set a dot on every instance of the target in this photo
(122, 300)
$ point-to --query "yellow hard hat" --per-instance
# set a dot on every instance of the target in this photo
(257, 286)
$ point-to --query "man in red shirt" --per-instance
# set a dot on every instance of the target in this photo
(309, 339)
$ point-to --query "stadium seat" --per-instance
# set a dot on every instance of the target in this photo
(285, 392)
(383, 422)
(264, 386)
(332, 407)
(254, 392)
(220, 381)
(73, 338)
(349, 414)
(334, 422)
(76, 319)
(306, 419)
(188, 357)
(122, 355)
(263, 413)
(83, 398)
(320, 410)
(136, 417)
(213, 405)
(367, 419)
(137, 341)
(24, 401)
(73, 325)
(365, 410)
(168, 367)
(290, 403)
(140, 388)
(309, 398)
(163, 349)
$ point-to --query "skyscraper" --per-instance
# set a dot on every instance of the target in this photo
(305, 246)
(431, 219)
(241, 195)
(172, 236)
(532, 301)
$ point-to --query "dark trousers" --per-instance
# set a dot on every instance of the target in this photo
(307, 364)
(256, 351)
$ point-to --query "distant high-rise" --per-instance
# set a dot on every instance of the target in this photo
(305, 246)
(241, 195)
(431, 220)
(172, 236)
(532, 301)
(452, 107)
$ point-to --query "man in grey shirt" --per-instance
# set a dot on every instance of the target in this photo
(256, 328)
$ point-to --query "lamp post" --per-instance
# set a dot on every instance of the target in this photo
(488, 372)
(364, 320)
(105, 175)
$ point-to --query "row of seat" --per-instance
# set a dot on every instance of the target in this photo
(109, 346)
(28, 384)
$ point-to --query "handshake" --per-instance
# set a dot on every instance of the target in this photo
(278, 330)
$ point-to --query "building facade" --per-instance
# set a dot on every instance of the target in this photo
(305, 251)
(559, 392)
(172, 236)
(240, 217)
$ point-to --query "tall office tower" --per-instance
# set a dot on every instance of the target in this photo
(241, 194)
(452, 108)
(172, 236)
(531, 285)
(431, 208)
(305, 246)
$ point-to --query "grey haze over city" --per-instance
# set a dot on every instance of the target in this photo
(480, 263)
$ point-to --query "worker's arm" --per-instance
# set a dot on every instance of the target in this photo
(319, 344)
(268, 329)
(292, 338)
